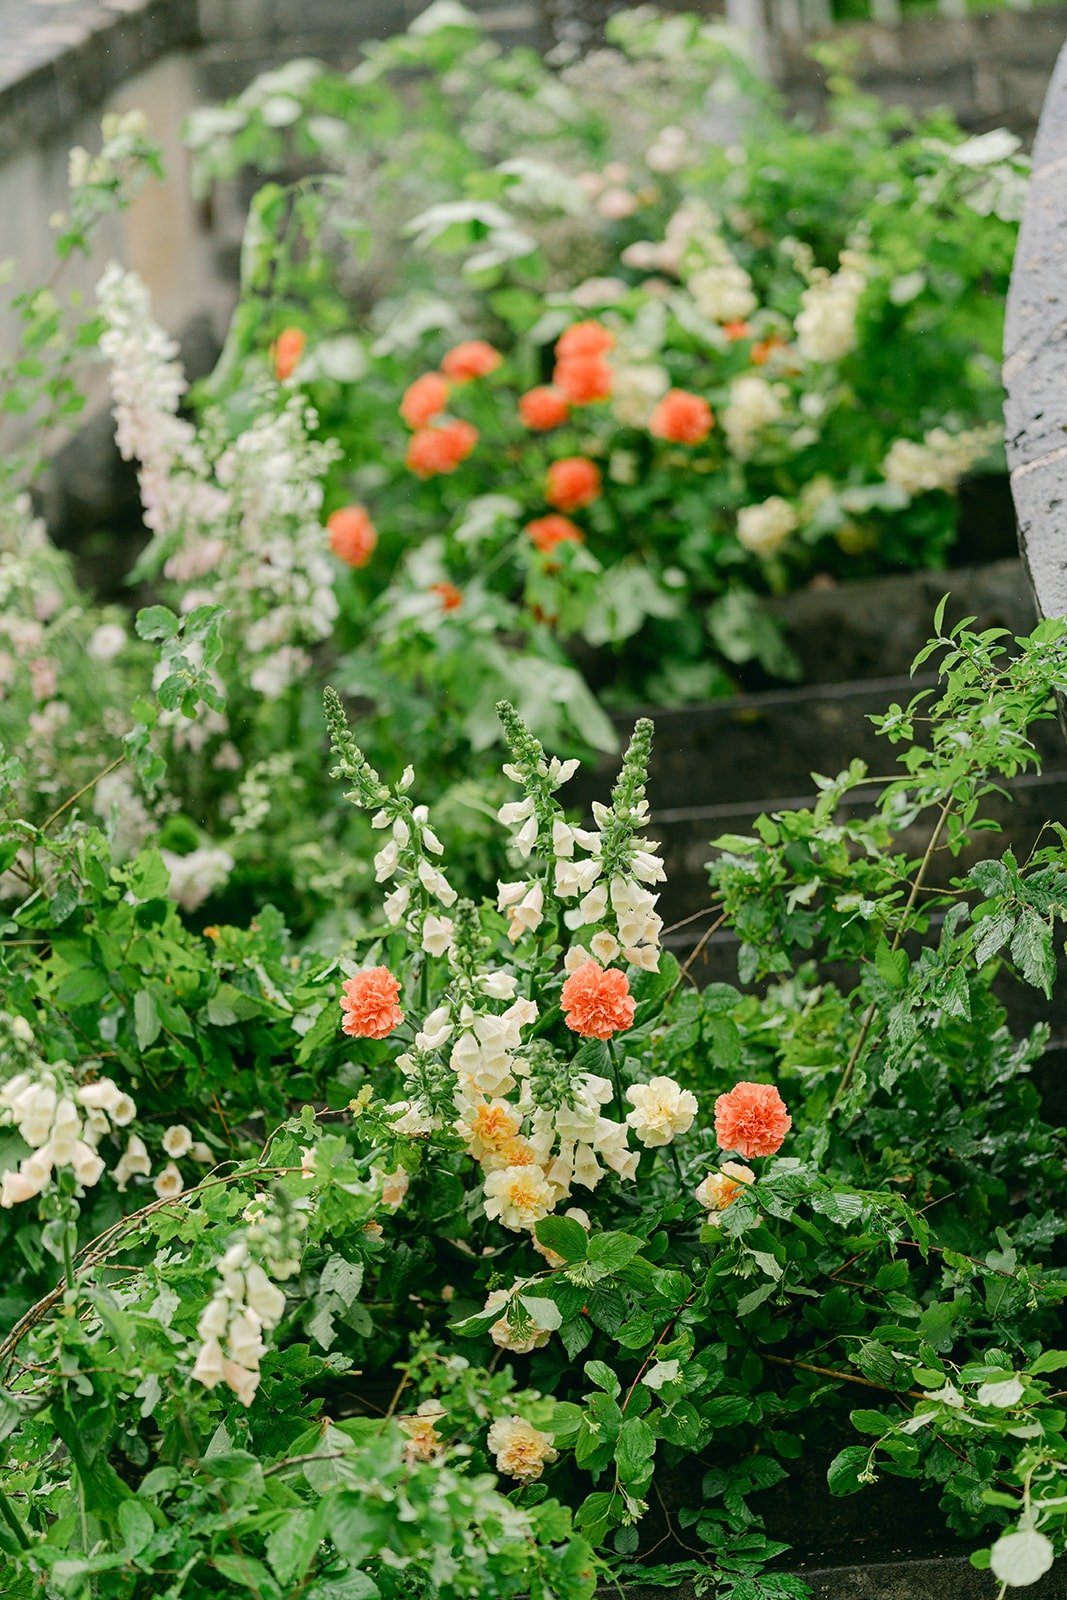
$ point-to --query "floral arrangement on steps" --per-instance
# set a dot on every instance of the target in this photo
(599, 384)
(596, 1220)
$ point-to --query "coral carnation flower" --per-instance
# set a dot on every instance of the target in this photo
(548, 532)
(762, 352)
(424, 399)
(584, 339)
(440, 448)
(369, 1002)
(353, 535)
(736, 330)
(572, 482)
(597, 1004)
(751, 1119)
(583, 379)
(474, 358)
(543, 408)
(681, 417)
(286, 352)
(450, 597)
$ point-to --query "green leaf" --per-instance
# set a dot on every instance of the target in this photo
(1020, 1558)
(1033, 952)
(147, 1025)
(843, 1473)
(156, 622)
(563, 1235)
(600, 1373)
(544, 1313)
(634, 1449)
(612, 1251)
(891, 965)
(136, 1525)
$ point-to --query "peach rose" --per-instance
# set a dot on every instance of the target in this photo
(440, 448)
(369, 1002)
(751, 1119)
(583, 379)
(584, 339)
(353, 535)
(543, 408)
(474, 358)
(287, 351)
(597, 1004)
(682, 418)
(450, 597)
(548, 532)
(424, 399)
(572, 482)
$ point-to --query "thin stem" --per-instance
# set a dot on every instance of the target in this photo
(7, 1511)
(677, 1165)
(865, 1028)
(620, 1102)
(118, 761)
(68, 1260)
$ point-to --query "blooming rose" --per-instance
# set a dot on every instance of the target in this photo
(681, 417)
(440, 448)
(764, 528)
(751, 1119)
(450, 597)
(424, 399)
(287, 351)
(662, 1110)
(736, 330)
(720, 1188)
(521, 1450)
(474, 358)
(597, 1004)
(543, 408)
(369, 1003)
(489, 1128)
(583, 379)
(424, 1441)
(548, 532)
(572, 482)
(584, 339)
(353, 535)
(519, 1195)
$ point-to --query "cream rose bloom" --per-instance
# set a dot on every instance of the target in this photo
(765, 527)
(521, 1450)
(518, 1197)
(662, 1110)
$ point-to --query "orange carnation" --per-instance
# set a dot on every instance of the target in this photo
(751, 1119)
(736, 330)
(583, 379)
(423, 399)
(543, 408)
(353, 535)
(451, 598)
(440, 448)
(762, 352)
(681, 417)
(286, 352)
(548, 532)
(572, 482)
(597, 1003)
(584, 339)
(369, 1002)
(474, 358)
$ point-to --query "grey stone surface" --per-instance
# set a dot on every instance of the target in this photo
(951, 1578)
(1035, 360)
